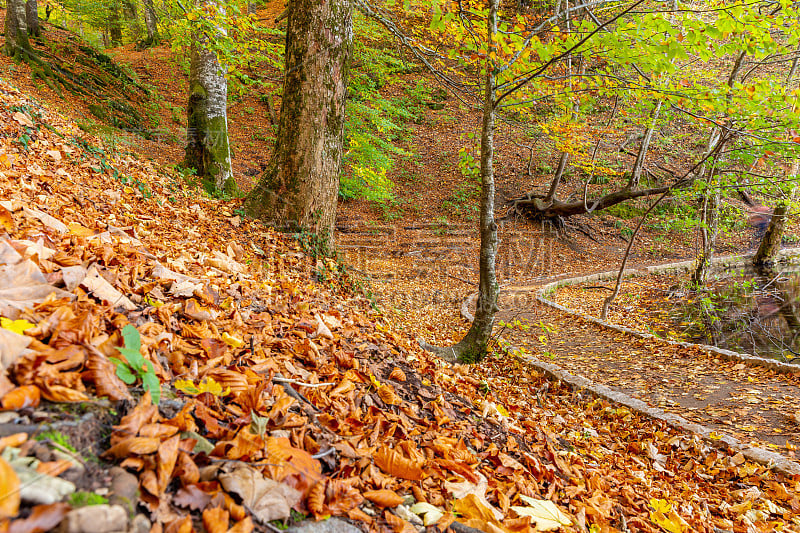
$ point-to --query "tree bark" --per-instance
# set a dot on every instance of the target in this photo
(771, 242)
(638, 166)
(709, 204)
(299, 189)
(16, 31)
(472, 348)
(208, 148)
(537, 208)
(151, 23)
(32, 18)
(114, 25)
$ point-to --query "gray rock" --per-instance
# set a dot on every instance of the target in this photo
(331, 525)
(140, 524)
(95, 519)
(124, 489)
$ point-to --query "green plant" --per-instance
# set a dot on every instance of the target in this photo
(85, 499)
(57, 438)
(135, 365)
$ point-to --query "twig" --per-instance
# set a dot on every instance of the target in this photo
(301, 383)
(327, 452)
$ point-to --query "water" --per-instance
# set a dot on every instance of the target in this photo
(743, 311)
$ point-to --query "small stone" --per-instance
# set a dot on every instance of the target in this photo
(331, 525)
(8, 417)
(95, 519)
(124, 489)
(405, 513)
(140, 524)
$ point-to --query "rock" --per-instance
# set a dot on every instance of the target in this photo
(405, 513)
(331, 525)
(124, 489)
(95, 519)
(140, 524)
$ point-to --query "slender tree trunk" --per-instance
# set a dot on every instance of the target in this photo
(114, 25)
(709, 204)
(771, 241)
(564, 158)
(32, 18)
(208, 148)
(299, 190)
(151, 23)
(132, 18)
(472, 348)
(638, 166)
(16, 31)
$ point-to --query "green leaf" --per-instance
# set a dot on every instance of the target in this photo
(150, 383)
(132, 339)
(124, 372)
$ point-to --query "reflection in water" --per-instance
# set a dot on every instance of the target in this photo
(752, 312)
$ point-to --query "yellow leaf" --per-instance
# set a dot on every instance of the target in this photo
(17, 326)
(234, 342)
(663, 516)
(502, 410)
(207, 385)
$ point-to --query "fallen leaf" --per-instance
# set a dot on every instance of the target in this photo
(42, 518)
(9, 491)
(545, 514)
(104, 291)
(394, 463)
(21, 397)
(267, 499)
(383, 498)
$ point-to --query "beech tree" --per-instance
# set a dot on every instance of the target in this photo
(32, 18)
(208, 148)
(151, 23)
(299, 189)
(16, 31)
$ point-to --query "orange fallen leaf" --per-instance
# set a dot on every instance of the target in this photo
(24, 396)
(102, 372)
(397, 524)
(9, 491)
(383, 498)
(394, 463)
(133, 446)
(54, 468)
(42, 518)
(215, 520)
(14, 440)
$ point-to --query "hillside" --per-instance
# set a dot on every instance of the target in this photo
(286, 393)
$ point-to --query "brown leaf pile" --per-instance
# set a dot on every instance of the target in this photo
(349, 419)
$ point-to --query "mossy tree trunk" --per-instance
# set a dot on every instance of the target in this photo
(299, 189)
(114, 25)
(151, 23)
(472, 348)
(16, 31)
(208, 149)
(32, 18)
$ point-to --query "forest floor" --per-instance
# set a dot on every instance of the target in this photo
(472, 440)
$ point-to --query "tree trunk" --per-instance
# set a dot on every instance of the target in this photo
(709, 218)
(132, 18)
(771, 242)
(638, 166)
(32, 18)
(114, 25)
(151, 23)
(298, 191)
(16, 31)
(207, 148)
(710, 202)
(472, 348)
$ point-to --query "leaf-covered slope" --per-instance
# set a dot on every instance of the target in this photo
(282, 391)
